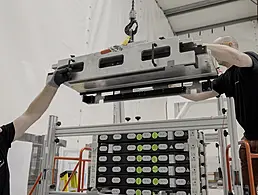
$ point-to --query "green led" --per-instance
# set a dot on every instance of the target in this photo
(155, 169)
(139, 158)
(138, 169)
(138, 192)
(155, 135)
(154, 159)
(139, 136)
(138, 181)
(154, 147)
(155, 181)
(139, 148)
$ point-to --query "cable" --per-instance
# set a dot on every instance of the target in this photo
(133, 4)
(132, 15)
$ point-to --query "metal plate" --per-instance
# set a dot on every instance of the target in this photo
(133, 71)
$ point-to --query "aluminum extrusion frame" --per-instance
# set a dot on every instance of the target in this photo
(205, 123)
(168, 125)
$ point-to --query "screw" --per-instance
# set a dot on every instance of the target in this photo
(57, 140)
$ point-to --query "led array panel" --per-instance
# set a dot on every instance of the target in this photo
(144, 163)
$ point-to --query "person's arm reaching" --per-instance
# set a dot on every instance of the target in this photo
(228, 54)
(40, 104)
(35, 110)
(200, 96)
(220, 85)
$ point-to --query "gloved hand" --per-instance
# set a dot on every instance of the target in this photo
(60, 76)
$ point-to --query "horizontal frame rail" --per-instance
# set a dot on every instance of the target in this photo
(205, 123)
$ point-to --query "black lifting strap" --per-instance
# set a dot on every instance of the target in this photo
(129, 28)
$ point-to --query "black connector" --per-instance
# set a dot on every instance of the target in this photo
(224, 110)
(127, 119)
(137, 118)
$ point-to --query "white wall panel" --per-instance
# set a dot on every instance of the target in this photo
(35, 34)
(38, 33)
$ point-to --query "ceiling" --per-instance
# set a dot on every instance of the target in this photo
(187, 16)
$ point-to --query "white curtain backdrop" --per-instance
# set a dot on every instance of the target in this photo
(35, 34)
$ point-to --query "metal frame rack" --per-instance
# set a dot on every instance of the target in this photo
(219, 122)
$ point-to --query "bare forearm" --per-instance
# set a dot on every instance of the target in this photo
(222, 52)
(35, 110)
(192, 97)
(228, 54)
(42, 101)
(200, 96)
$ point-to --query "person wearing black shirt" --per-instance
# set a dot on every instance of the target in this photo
(239, 81)
(15, 129)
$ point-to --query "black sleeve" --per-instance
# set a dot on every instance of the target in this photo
(254, 57)
(8, 132)
(219, 84)
(253, 70)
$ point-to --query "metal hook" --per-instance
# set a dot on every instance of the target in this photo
(128, 29)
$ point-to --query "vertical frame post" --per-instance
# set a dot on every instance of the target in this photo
(232, 129)
(223, 145)
(118, 112)
(48, 156)
(203, 164)
(193, 142)
(94, 160)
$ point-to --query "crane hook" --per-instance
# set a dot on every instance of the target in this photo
(133, 22)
